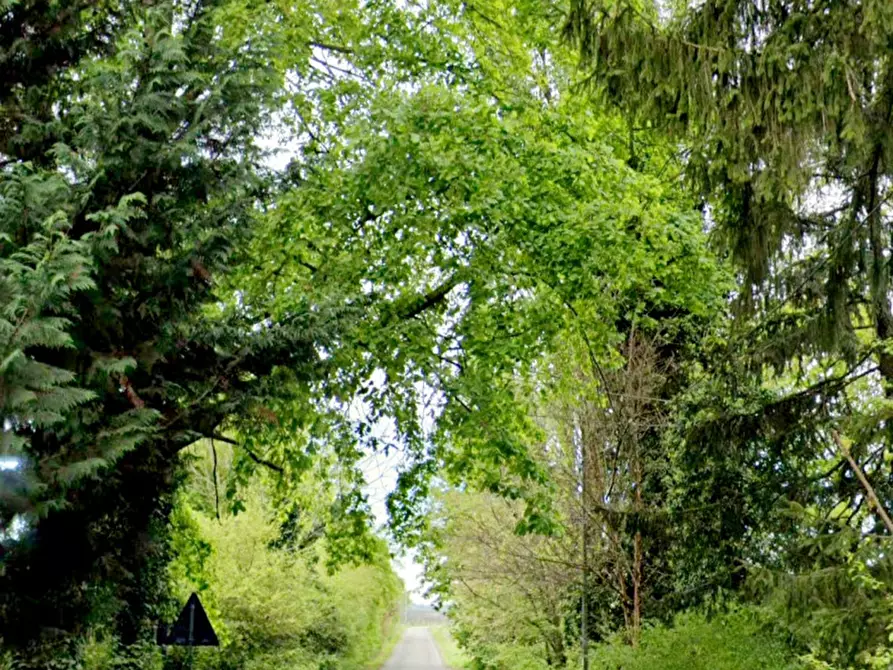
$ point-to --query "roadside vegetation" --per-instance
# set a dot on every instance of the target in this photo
(268, 585)
(454, 658)
(611, 277)
(387, 647)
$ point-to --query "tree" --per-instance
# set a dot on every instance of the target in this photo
(450, 218)
(131, 177)
(273, 603)
(276, 599)
(494, 214)
(785, 108)
(509, 596)
(783, 111)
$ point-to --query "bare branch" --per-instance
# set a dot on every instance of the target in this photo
(254, 457)
(869, 489)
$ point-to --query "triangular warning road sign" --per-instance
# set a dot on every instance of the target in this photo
(192, 628)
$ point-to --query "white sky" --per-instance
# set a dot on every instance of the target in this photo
(380, 472)
(381, 477)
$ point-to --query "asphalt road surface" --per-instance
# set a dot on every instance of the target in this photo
(416, 651)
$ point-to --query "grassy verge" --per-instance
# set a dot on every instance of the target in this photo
(732, 641)
(453, 656)
(387, 648)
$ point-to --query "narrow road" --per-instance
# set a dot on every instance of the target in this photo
(416, 651)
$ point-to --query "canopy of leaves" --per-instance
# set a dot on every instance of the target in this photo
(282, 228)
(493, 213)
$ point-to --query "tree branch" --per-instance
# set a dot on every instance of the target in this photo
(427, 301)
(869, 489)
(216, 490)
(331, 47)
(262, 461)
(254, 457)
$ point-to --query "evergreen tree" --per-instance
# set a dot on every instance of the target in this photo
(130, 177)
(783, 109)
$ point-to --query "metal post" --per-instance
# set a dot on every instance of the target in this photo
(191, 638)
(584, 606)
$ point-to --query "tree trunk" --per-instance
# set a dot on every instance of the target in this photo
(637, 558)
(637, 590)
(880, 269)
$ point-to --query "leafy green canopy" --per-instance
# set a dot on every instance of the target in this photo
(450, 213)
(129, 180)
(476, 217)
(784, 109)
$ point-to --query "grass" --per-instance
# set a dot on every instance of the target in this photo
(387, 648)
(452, 655)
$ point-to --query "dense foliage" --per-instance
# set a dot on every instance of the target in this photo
(613, 276)
(748, 458)
(132, 180)
(272, 604)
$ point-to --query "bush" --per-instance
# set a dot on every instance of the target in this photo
(280, 608)
(273, 608)
(733, 641)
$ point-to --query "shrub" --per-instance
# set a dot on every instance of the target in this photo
(733, 641)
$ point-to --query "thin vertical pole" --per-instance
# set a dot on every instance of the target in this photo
(191, 634)
(584, 605)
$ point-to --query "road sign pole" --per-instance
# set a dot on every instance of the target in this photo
(584, 604)
(191, 634)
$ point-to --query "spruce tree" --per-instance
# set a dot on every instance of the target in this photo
(783, 110)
